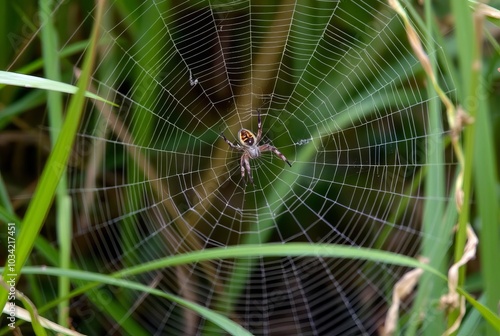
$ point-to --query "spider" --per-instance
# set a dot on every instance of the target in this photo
(249, 145)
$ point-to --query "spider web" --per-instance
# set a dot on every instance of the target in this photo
(341, 96)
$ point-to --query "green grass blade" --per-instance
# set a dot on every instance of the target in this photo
(16, 79)
(468, 52)
(435, 250)
(99, 279)
(488, 204)
(269, 250)
(56, 163)
(246, 252)
(52, 69)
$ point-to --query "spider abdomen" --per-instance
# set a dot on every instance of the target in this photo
(246, 137)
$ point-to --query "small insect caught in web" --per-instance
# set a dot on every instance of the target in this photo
(303, 142)
(192, 81)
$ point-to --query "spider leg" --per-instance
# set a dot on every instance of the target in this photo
(268, 147)
(245, 165)
(229, 142)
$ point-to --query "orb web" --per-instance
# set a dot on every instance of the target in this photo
(341, 95)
